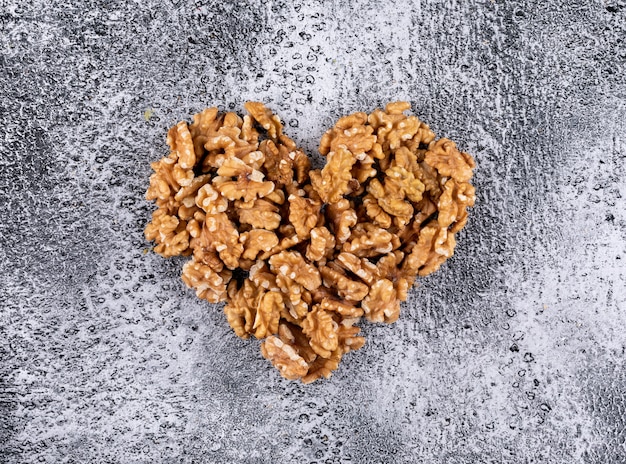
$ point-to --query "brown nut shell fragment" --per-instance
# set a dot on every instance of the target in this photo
(284, 358)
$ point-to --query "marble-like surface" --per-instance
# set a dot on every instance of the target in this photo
(512, 353)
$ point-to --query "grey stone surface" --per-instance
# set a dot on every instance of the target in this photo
(513, 352)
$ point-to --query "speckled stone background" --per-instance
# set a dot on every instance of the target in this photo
(512, 353)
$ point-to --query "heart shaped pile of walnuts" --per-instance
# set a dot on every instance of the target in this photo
(300, 255)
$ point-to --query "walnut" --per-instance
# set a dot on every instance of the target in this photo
(347, 335)
(210, 200)
(449, 161)
(342, 308)
(204, 123)
(240, 310)
(303, 214)
(322, 331)
(284, 358)
(220, 234)
(381, 303)
(322, 244)
(346, 287)
(313, 251)
(257, 240)
(350, 132)
(342, 217)
(453, 203)
(249, 184)
(179, 140)
(291, 264)
(259, 213)
(268, 314)
(323, 367)
(333, 181)
(360, 267)
(293, 335)
(169, 233)
(208, 284)
(267, 120)
(434, 246)
(368, 240)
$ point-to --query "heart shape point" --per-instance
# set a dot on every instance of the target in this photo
(300, 255)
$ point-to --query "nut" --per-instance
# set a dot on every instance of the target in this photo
(313, 251)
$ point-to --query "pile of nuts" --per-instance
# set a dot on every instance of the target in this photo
(300, 255)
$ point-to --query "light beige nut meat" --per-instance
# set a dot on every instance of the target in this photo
(346, 288)
(444, 156)
(303, 214)
(257, 240)
(208, 284)
(323, 367)
(453, 204)
(322, 244)
(221, 235)
(381, 303)
(333, 181)
(259, 213)
(292, 265)
(284, 358)
(169, 233)
(321, 329)
(343, 217)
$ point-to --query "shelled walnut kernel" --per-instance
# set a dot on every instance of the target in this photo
(300, 255)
